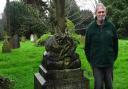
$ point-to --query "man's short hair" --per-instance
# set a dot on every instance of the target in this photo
(100, 5)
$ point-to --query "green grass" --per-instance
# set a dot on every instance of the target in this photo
(121, 67)
(21, 64)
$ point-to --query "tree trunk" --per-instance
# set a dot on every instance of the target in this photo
(7, 19)
(60, 16)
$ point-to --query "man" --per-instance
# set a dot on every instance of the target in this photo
(101, 48)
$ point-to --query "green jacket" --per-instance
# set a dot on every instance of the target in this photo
(101, 44)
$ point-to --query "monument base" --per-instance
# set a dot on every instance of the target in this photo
(60, 79)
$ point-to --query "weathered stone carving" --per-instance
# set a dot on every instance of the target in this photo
(60, 53)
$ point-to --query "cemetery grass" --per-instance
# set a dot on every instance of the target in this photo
(21, 64)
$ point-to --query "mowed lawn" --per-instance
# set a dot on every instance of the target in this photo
(21, 64)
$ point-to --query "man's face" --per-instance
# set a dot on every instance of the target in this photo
(100, 14)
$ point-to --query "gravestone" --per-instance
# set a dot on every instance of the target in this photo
(60, 68)
(32, 37)
(16, 41)
(23, 38)
(35, 38)
(6, 48)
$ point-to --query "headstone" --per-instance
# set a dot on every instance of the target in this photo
(16, 41)
(32, 37)
(35, 38)
(23, 38)
(6, 48)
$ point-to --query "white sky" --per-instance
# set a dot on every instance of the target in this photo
(2, 5)
(86, 4)
(83, 4)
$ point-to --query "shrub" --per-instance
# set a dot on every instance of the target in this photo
(76, 38)
(42, 39)
(6, 83)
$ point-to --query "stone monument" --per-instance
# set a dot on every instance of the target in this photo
(60, 67)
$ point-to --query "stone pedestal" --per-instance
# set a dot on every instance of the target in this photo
(60, 79)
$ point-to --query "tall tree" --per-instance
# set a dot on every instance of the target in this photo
(57, 16)
(43, 8)
(73, 12)
(7, 18)
(7, 44)
(1, 29)
(86, 18)
(117, 12)
(41, 5)
(25, 19)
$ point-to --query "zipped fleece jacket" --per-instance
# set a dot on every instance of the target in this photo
(101, 44)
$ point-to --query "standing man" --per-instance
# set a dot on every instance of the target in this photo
(101, 48)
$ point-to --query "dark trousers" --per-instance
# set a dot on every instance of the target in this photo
(103, 77)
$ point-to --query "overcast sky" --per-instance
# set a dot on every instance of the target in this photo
(87, 4)
(83, 4)
(2, 5)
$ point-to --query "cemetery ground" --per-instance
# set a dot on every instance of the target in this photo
(21, 64)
